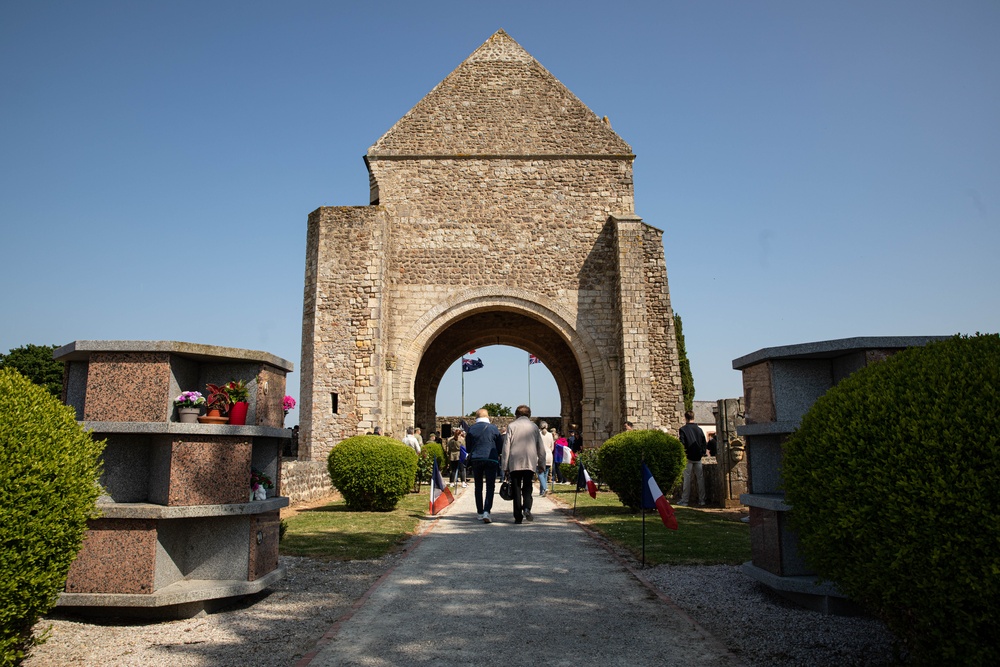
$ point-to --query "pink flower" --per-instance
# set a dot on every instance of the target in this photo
(288, 404)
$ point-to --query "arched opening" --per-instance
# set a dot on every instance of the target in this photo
(506, 378)
(498, 327)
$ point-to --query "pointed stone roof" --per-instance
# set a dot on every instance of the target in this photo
(500, 102)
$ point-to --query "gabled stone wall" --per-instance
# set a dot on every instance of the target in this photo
(504, 216)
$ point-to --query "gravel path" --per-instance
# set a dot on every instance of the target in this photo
(282, 625)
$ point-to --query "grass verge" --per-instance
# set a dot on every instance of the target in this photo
(333, 532)
(704, 537)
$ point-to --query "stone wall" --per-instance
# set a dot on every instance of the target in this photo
(504, 216)
(304, 480)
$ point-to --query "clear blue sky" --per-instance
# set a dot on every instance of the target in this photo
(819, 170)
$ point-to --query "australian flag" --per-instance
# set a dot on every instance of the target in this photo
(471, 364)
(532, 359)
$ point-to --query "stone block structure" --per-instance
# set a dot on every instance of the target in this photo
(501, 212)
(177, 532)
(780, 384)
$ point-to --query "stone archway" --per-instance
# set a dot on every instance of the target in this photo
(501, 212)
(501, 317)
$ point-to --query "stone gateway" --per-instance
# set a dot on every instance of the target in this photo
(501, 213)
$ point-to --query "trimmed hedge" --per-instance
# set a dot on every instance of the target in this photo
(591, 460)
(425, 466)
(621, 457)
(49, 467)
(372, 472)
(894, 477)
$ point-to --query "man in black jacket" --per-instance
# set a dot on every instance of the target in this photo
(693, 439)
(483, 445)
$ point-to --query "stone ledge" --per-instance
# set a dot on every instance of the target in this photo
(180, 592)
(79, 350)
(186, 429)
(833, 348)
(767, 428)
(806, 591)
(154, 511)
(766, 501)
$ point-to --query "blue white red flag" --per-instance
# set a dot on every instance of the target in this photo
(532, 359)
(471, 364)
(652, 497)
(561, 453)
(462, 453)
(440, 493)
(583, 481)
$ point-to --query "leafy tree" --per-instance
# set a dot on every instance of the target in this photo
(495, 410)
(687, 379)
(35, 362)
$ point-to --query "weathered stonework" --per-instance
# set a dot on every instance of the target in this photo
(502, 213)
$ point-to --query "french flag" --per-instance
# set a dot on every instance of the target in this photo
(653, 497)
(440, 493)
(583, 481)
(562, 453)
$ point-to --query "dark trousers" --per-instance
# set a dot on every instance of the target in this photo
(484, 471)
(521, 485)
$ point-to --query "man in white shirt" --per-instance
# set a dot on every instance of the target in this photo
(411, 441)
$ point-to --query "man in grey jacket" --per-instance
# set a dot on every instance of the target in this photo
(523, 455)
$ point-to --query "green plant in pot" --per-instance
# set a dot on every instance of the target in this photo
(239, 401)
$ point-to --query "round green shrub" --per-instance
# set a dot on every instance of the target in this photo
(621, 458)
(428, 453)
(894, 477)
(49, 467)
(372, 472)
(591, 460)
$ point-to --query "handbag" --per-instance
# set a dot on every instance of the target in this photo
(506, 492)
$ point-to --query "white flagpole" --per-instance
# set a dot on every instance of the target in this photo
(529, 380)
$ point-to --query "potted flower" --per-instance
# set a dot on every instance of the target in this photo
(218, 401)
(287, 404)
(189, 406)
(239, 401)
(259, 484)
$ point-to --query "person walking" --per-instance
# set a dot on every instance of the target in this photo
(411, 441)
(483, 444)
(693, 439)
(547, 442)
(557, 474)
(456, 444)
(523, 454)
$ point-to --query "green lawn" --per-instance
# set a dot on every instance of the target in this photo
(704, 538)
(333, 532)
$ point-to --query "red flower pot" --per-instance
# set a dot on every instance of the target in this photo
(238, 414)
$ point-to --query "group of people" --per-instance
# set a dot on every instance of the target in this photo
(522, 450)
(518, 452)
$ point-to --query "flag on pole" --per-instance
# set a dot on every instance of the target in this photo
(440, 493)
(583, 481)
(471, 364)
(561, 453)
(652, 497)
(462, 453)
(532, 359)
